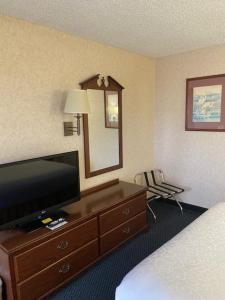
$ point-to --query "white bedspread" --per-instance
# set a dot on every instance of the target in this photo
(191, 266)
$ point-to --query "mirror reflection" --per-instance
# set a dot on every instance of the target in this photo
(103, 128)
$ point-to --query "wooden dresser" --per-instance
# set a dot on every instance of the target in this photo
(34, 264)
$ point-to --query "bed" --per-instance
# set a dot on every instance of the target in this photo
(191, 266)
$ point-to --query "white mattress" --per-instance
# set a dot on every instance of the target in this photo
(191, 266)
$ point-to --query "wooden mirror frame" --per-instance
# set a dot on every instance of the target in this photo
(98, 83)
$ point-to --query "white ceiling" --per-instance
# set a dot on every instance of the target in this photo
(150, 27)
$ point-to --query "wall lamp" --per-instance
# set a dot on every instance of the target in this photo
(76, 104)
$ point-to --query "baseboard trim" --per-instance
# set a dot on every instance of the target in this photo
(185, 205)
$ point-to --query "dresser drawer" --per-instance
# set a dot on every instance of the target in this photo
(122, 232)
(53, 276)
(122, 213)
(32, 261)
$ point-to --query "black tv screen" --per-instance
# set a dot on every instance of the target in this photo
(35, 187)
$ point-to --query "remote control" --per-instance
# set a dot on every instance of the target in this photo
(56, 222)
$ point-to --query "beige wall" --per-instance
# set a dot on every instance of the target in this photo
(192, 159)
(37, 66)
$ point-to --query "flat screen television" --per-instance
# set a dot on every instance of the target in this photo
(31, 189)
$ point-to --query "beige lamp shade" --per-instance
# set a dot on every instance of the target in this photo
(77, 102)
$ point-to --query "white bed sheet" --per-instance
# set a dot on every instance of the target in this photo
(191, 266)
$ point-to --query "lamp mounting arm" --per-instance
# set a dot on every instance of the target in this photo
(69, 128)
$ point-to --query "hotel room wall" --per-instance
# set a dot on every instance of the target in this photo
(192, 159)
(38, 65)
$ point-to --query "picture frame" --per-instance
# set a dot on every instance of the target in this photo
(111, 109)
(205, 103)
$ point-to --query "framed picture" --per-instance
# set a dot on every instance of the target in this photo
(205, 103)
(111, 109)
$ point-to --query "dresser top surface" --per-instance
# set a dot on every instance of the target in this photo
(88, 207)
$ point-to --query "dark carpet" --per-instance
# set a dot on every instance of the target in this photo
(101, 280)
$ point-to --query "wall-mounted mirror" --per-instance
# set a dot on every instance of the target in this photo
(103, 126)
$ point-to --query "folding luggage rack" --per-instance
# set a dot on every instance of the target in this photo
(156, 184)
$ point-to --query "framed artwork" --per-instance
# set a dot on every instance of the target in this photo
(111, 109)
(205, 103)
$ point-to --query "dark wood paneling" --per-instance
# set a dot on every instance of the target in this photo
(121, 213)
(53, 276)
(122, 232)
(35, 259)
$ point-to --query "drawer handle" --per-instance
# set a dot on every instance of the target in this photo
(126, 230)
(65, 268)
(126, 211)
(63, 245)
